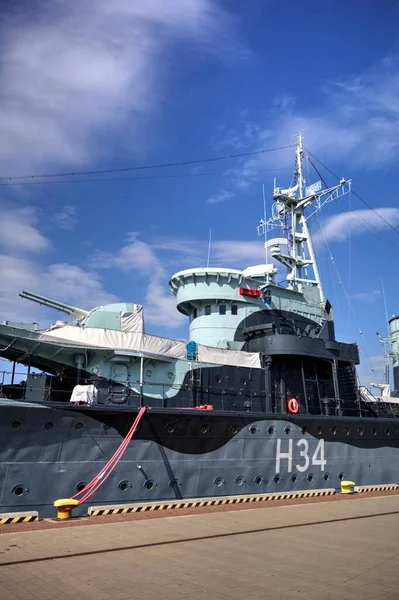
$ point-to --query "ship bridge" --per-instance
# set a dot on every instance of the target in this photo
(218, 300)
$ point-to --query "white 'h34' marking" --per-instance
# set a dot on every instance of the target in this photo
(317, 458)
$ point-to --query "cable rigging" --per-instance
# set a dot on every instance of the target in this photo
(147, 167)
(356, 194)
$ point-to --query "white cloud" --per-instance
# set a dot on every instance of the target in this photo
(63, 282)
(370, 296)
(66, 218)
(182, 253)
(71, 71)
(237, 254)
(18, 271)
(341, 227)
(157, 261)
(160, 307)
(18, 231)
(135, 255)
(220, 197)
(355, 119)
(139, 256)
(285, 101)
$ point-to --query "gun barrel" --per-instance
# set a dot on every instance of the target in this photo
(69, 310)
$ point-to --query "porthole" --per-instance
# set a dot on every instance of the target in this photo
(79, 425)
(374, 431)
(276, 478)
(148, 373)
(218, 379)
(304, 430)
(204, 429)
(149, 484)
(219, 481)
(294, 478)
(170, 375)
(16, 424)
(170, 427)
(360, 431)
(347, 430)
(48, 425)
(333, 430)
(319, 431)
(243, 381)
(239, 480)
(258, 479)
(80, 486)
(270, 430)
(326, 477)
(253, 429)
(19, 489)
(125, 485)
(341, 476)
(234, 429)
(287, 430)
(310, 477)
(387, 432)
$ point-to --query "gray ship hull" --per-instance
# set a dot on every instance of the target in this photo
(48, 452)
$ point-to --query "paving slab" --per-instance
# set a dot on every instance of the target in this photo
(347, 549)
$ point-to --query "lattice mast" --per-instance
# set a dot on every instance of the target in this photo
(288, 212)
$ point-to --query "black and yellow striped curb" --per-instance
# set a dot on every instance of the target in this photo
(376, 488)
(117, 510)
(14, 518)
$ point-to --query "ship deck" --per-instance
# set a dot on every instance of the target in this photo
(328, 549)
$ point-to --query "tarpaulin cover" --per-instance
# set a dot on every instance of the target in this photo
(151, 344)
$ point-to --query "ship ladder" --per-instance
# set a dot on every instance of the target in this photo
(65, 506)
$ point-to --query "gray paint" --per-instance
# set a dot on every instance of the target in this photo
(48, 462)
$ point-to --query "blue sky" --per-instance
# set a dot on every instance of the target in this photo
(94, 85)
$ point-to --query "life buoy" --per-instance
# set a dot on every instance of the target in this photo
(293, 406)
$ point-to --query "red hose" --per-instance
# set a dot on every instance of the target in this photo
(91, 487)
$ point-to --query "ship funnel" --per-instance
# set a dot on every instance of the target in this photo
(73, 311)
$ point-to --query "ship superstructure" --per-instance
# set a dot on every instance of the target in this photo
(261, 396)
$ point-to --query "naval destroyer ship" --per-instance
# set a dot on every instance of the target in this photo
(263, 397)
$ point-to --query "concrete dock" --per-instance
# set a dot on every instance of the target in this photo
(346, 550)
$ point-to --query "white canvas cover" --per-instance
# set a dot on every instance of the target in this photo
(84, 394)
(133, 321)
(151, 344)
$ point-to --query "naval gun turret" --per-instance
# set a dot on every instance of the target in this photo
(73, 311)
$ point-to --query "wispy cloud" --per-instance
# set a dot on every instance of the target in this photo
(285, 101)
(355, 119)
(72, 71)
(134, 255)
(370, 296)
(140, 257)
(65, 218)
(341, 227)
(72, 284)
(220, 197)
(19, 233)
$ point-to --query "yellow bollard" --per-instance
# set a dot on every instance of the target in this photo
(347, 487)
(65, 506)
